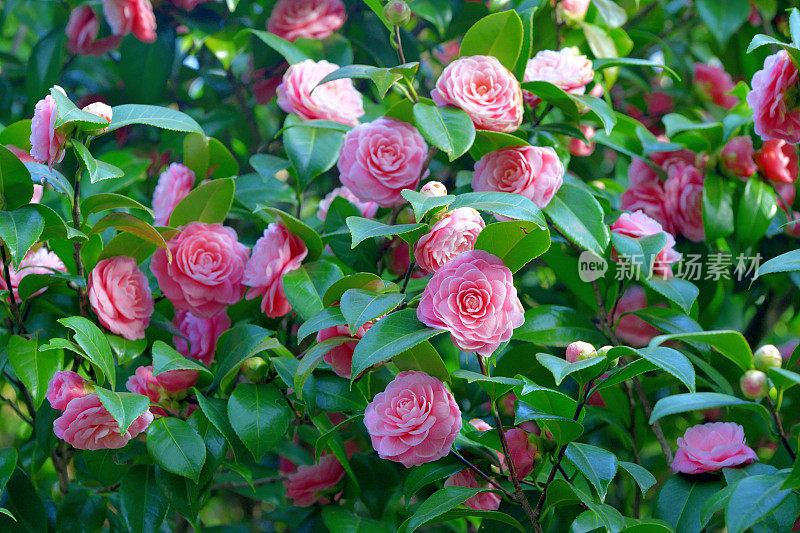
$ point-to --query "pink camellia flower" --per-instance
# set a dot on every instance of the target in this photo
(636, 225)
(630, 328)
(143, 382)
(87, 425)
(737, 157)
(684, 190)
(484, 89)
(773, 98)
(534, 172)
(341, 357)
(523, 452)
(778, 161)
(398, 259)
(454, 233)
(131, 16)
(567, 69)
(178, 380)
(65, 386)
(315, 483)
(188, 5)
(265, 86)
(434, 189)
(82, 30)
(275, 253)
(793, 229)
(310, 19)
(580, 148)
(207, 268)
(414, 420)
(336, 100)
(715, 84)
(447, 51)
(712, 447)
(572, 9)
(784, 194)
(120, 295)
(47, 144)
(381, 158)
(483, 501)
(473, 296)
(174, 184)
(41, 261)
(579, 351)
(202, 334)
(368, 209)
(646, 193)
(480, 425)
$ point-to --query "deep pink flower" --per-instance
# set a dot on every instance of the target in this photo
(778, 161)
(572, 9)
(713, 82)
(455, 233)
(341, 357)
(310, 19)
(483, 501)
(534, 172)
(120, 296)
(414, 420)
(712, 447)
(473, 296)
(636, 225)
(567, 69)
(65, 386)
(336, 100)
(368, 209)
(737, 157)
(484, 89)
(631, 329)
(131, 16)
(188, 5)
(646, 193)
(41, 261)
(381, 158)
(208, 264)
(776, 113)
(523, 452)
(784, 194)
(87, 425)
(793, 229)
(82, 31)
(275, 253)
(202, 334)
(684, 190)
(174, 184)
(314, 483)
(47, 144)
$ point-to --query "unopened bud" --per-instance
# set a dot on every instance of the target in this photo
(580, 351)
(255, 369)
(754, 384)
(101, 110)
(432, 189)
(766, 357)
(396, 12)
(406, 216)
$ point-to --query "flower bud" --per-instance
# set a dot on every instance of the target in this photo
(432, 189)
(396, 12)
(406, 216)
(767, 356)
(754, 384)
(101, 110)
(580, 351)
(255, 369)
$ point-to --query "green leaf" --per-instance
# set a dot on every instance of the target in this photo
(238, 344)
(359, 306)
(753, 498)
(334, 394)
(640, 252)
(598, 465)
(34, 368)
(757, 207)
(125, 350)
(640, 474)
(260, 416)
(723, 19)
(149, 115)
(130, 224)
(788, 262)
(717, 207)
(700, 401)
(448, 128)
(681, 499)
(695, 135)
(208, 203)
(383, 78)
(176, 447)
(614, 15)
(600, 108)
(366, 228)
(761, 40)
(422, 204)
(98, 170)
(340, 519)
(142, 506)
(268, 165)
(43, 69)
(311, 359)
(563, 429)
(498, 35)
(487, 141)
(527, 17)
(608, 62)
(27, 511)
(501, 203)
(20, 229)
(731, 344)
(425, 358)
(579, 216)
(216, 410)
(68, 113)
(165, 358)
(551, 325)
(94, 345)
(425, 474)
(8, 462)
(632, 369)
(392, 335)
(516, 242)
(312, 150)
(560, 368)
(16, 187)
(436, 505)
(784, 378)
(291, 53)
(681, 292)
(305, 286)
(156, 59)
(673, 362)
(327, 318)
(105, 201)
(555, 96)
(125, 407)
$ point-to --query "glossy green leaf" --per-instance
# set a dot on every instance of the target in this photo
(125, 407)
(159, 117)
(436, 505)
(499, 35)
(260, 416)
(305, 286)
(679, 291)
(238, 344)
(516, 242)
(105, 201)
(366, 228)
(700, 401)
(757, 207)
(130, 224)
(681, 498)
(359, 306)
(291, 53)
(312, 150)
(422, 204)
(551, 325)
(723, 19)
(34, 367)
(176, 447)
(94, 345)
(327, 318)
(312, 358)
(166, 358)
(561, 369)
(447, 128)
(640, 474)
(501, 203)
(579, 216)
(731, 344)
(208, 203)
(16, 187)
(598, 465)
(20, 229)
(753, 498)
(142, 505)
(424, 358)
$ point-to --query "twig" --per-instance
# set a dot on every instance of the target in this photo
(76, 245)
(485, 476)
(26, 395)
(7, 276)
(17, 410)
(779, 427)
(656, 425)
(407, 276)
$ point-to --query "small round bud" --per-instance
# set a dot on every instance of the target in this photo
(406, 216)
(603, 350)
(766, 357)
(432, 189)
(101, 110)
(396, 12)
(255, 369)
(773, 394)
(580, 351)
(754, 384)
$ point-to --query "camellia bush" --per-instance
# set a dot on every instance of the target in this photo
(369, 266)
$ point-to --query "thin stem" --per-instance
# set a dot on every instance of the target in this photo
(779, 427)
(521, 498)
(557, 23)
(483, 475)
(407, 276)
(7, 276)
(399, 46)
(657, 431)
(77, 244)
(22, 391)
(17, 410)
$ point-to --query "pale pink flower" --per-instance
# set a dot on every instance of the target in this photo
(684, 190)
(572, 9)
(480, 425)
(174, 184)
(631, 329)
(484, 89)
(712, 447)
(715, 84)
(131, 16)
(47, 144)
(368, 209)
(65, 386)
(275, 253)
(341, 357)
(454, 233)
(205, 275)
(778, 161)
(483, 501)
(636, 225)
(415, 420)
(474, 298)
(315, 483)
(434, 189)
(82, 30)
(567, 69)
(101, 110)
(579, 351)
(120, 296)
(336, 100)
(41, 261)
(580, 148)
(737, 157)
(646, 193)
(773, 98)
(87, 425)
(202, 334)
(381, 158)
(309, 19)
